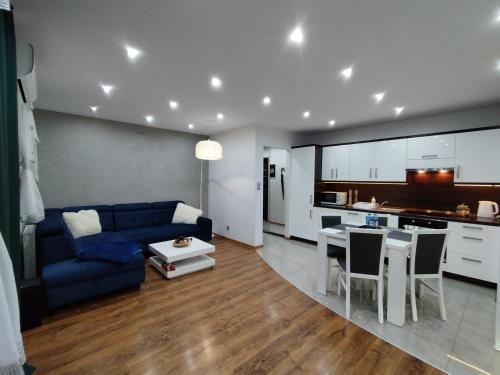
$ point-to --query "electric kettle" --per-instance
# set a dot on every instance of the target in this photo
(487, 209)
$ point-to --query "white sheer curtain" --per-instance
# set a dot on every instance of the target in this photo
(12, 355)
(32, 210)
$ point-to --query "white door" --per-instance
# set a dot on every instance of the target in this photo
(432, 147)
(335, 164)
(477, 155)
(390, 160)
(302, 192)
(361, 161)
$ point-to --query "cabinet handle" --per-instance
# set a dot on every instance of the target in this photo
(310, 199)
(472, 260)
(471, 227)
(336, 173)
(457, 171)
(431, 156)
(353, 213)
(370, 173)
(472, 238)
(310, 214)
(331, 173)
(376, 172)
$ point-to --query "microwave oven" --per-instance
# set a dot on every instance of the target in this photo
(334, 198)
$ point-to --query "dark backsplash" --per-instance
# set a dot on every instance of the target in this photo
(430, 190)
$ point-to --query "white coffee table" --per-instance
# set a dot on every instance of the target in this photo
(186, 259)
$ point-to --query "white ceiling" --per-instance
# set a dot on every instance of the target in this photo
(428, 55)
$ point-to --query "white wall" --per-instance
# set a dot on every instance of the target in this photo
(232, 186)
(276, 203)
(442, 122)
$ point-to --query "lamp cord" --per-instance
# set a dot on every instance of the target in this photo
(201, 184)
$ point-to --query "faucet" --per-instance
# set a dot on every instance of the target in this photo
(384, 202)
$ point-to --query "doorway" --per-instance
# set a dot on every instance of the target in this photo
(274, 190)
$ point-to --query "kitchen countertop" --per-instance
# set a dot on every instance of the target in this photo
(422, 213)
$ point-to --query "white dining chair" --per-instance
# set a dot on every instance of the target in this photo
(425, 263)
(365, 251)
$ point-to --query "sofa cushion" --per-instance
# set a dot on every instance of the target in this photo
(95, 239)
(160, 233)
(185, 214)
(82, 223)
(75, 270)
(142, 218)
(105, 213)
(112, 251)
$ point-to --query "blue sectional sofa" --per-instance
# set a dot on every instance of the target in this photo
(66, 279)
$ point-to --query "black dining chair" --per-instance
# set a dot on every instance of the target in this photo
(426, 262)
(332, 251)
(364, 260)
(382, 221)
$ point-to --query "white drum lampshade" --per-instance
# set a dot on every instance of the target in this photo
(208, 150)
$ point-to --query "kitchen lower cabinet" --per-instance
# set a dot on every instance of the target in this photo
(476, 156)
(473, 251)
(302, 192)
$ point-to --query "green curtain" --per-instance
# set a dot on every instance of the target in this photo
(9, 147)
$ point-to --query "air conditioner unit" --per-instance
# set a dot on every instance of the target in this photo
(26, 71)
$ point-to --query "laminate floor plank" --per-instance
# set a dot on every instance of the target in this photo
(240, 317)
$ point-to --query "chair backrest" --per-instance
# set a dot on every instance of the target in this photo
(382, 221)
(365, 251)
(330, 221)
(427, 252)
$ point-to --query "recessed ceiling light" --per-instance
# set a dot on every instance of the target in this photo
(266, 100)
(216, 82)
(190, 126)
(379, 96)
(149, 118)
(296, 36)
(306, 114)
(133, 53)
(497, 18)
(107, 89)
(498, 65)
(346, 73)
(94, 108)
(220, 116)
(173, 104)
(398, 110)
(331, 122)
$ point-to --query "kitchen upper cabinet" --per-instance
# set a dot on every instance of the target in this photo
(432, 147)
(476, 156)
(335, 164)
(390, 160)
(302, 192)
(362, 158)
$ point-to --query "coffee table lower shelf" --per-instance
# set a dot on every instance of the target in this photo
(184, 266)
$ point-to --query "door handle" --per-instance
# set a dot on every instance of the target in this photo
(472, 238)
(472, 260)
(430, 156)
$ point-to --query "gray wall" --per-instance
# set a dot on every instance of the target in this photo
(450, 121)
(84, 160)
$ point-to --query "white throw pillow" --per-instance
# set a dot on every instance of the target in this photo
(82, 223)
(186, 214)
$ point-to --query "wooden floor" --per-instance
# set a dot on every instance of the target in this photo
(240, 317)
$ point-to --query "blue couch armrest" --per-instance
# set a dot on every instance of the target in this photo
(205, 225)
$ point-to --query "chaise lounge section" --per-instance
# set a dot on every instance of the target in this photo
(67, 279)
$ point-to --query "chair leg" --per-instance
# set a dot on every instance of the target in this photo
(348, 297)
(339, 275)
(420, 289)
(380, 288)
(442, 307)
(413, 299)
(374, 290)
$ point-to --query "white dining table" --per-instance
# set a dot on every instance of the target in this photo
(396, 250)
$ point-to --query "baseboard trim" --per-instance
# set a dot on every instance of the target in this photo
(239, 242)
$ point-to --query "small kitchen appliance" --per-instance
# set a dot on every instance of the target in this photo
(487, 209)
(334, 198)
